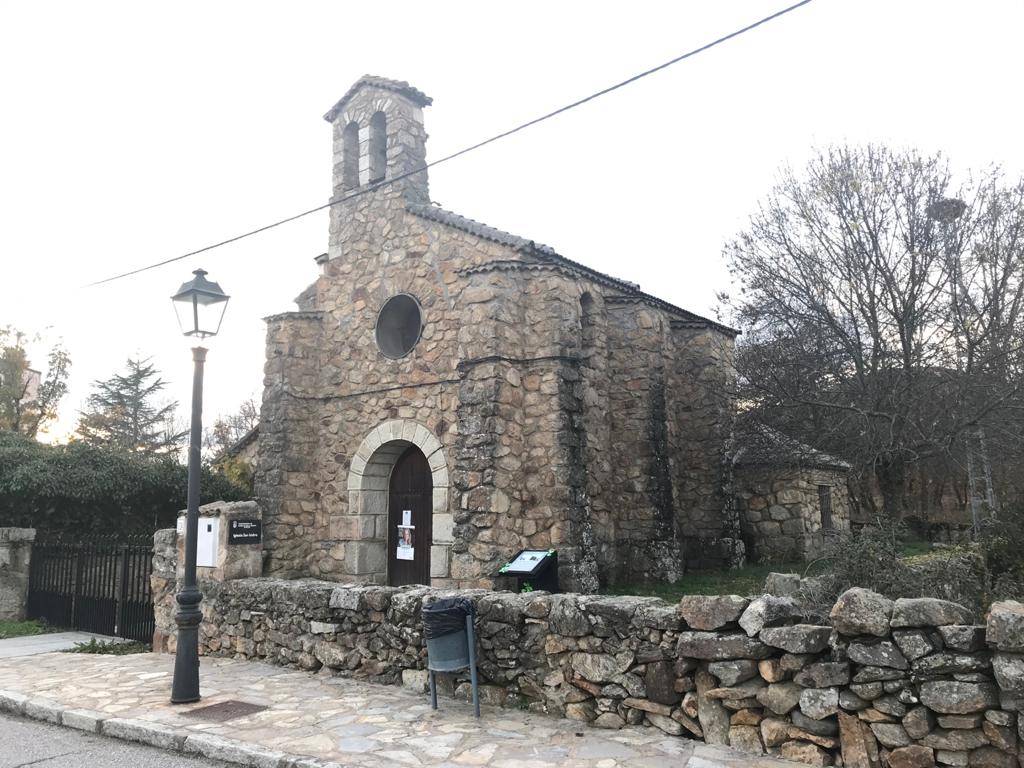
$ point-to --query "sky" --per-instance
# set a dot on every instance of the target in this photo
(133, 132)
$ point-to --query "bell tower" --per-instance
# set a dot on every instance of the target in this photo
(379, 135)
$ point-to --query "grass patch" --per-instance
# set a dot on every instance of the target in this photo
(748, 580)
(916, 548)
(23, 628)
(109, 647)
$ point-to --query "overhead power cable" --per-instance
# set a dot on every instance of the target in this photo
(459, 153)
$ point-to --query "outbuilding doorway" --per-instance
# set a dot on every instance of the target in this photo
(410, 516)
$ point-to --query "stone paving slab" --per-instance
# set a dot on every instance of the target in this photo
(319, 721)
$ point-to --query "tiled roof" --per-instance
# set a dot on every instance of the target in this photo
(760, 445)
(245, 440)
(302, 314)
(434, 213)
(448, 218)
(396, 86)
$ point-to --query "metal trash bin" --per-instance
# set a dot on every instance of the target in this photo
(451, 642)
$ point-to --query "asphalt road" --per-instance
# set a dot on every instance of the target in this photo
(40, 745)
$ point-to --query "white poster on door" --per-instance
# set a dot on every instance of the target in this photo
(406, 537)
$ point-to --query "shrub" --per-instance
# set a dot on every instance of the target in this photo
(78, 488)
(236, 470)
(874, 558)
(109, 647)
(1002, 542)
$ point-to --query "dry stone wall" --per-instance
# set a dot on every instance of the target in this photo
(900, 684)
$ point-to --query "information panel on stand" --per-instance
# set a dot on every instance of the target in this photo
(533, 569)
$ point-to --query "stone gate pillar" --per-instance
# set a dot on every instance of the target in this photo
(15, 558)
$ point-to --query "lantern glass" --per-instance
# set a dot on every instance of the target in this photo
(200, 305)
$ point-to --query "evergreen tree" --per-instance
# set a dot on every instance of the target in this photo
(123, 413)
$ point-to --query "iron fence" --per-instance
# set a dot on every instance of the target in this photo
(95, 584)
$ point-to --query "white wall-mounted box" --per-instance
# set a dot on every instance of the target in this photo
(207, 542)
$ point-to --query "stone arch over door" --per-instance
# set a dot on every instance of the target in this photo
(368, 481)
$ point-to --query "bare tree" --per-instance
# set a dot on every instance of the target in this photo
(228, 430)
(882, 309)
(29, 399)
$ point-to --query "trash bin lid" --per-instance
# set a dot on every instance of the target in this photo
(446, 615)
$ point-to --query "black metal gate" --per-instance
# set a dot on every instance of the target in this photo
(96, 584)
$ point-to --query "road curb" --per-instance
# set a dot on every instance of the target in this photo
(155, 734)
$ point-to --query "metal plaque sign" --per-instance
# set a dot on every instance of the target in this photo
(245, 531)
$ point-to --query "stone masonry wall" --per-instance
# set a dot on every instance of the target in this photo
(670, 403)
(285, 472)
(897, 684)
(701, 402)
(15, 560)
(648, 545)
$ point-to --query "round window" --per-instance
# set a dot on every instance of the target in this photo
(399, 325)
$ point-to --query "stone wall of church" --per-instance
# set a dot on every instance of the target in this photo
(701, 405)
(648, 546)
(595, 398)
(520, 467)
(670, 406)
(489, 378)
(598, 435)
(286, 480)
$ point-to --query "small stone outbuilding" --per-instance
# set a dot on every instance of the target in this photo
(790, 497)
(245, 449)
(448, 393)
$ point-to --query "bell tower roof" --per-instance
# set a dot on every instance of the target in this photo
(418, 97)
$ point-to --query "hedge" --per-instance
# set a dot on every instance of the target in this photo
(77, 488)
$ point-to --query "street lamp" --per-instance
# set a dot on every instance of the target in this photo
(946, 211)
(200, 305)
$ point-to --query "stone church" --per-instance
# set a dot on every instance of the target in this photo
(447, 394)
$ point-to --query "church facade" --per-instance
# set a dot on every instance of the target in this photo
(447, 394)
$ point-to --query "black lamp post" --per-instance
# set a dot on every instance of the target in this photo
(200, 305)
(946, 211)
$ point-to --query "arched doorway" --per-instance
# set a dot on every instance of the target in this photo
(368, 485)
(410, 513)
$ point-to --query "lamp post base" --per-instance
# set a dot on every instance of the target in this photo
(185, 686)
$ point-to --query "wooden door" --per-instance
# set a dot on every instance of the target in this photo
(409, 520)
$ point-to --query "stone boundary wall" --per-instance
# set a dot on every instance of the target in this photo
(15, 560)
(901, 684)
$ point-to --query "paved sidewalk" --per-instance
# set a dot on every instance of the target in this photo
(30, 645)
(340, 722)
